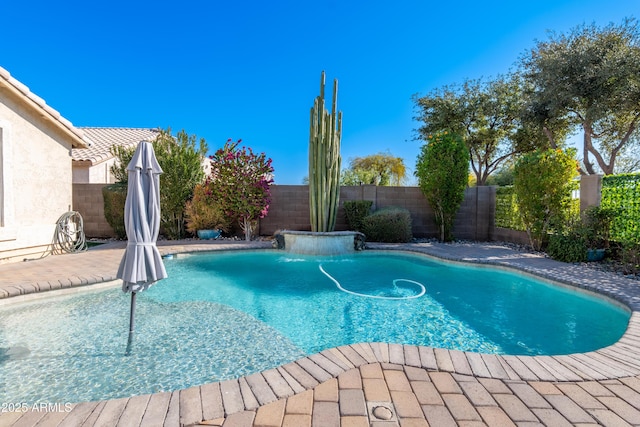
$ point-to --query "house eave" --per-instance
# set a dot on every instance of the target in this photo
(36, 104)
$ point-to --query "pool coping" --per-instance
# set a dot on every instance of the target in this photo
(222, 399)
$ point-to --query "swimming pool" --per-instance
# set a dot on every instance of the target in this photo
(223, 315)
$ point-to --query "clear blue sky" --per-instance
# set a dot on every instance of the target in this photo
(251, 69)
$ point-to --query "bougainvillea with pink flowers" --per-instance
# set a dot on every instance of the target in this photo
(240, 182)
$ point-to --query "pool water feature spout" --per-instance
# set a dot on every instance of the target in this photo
(423, 290)
(320, 243)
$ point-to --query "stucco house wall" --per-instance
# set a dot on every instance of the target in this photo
(92, 174)
(35, 170)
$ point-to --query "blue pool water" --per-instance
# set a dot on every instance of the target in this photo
(224, 315)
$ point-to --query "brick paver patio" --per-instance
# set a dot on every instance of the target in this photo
(372, 384)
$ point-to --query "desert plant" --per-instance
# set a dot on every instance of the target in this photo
(324, 161)
(391, 225)
(442, 171)
(203, 212)
(356, 211)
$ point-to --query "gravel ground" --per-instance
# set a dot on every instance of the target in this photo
(607, 264)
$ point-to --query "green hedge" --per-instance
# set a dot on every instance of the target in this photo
(390, 225)
(115, 196)
(507, 215)
(622, 193)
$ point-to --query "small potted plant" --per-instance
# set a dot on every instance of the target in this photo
(204, 216)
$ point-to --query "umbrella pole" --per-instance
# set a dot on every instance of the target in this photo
(133, 312)
(127, 352)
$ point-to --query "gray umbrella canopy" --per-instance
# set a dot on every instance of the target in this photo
(141, 265)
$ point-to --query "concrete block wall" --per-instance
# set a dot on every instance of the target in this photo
(411, 199)
(289, 209)
(88, 201)
(476, 217)
(509, 235)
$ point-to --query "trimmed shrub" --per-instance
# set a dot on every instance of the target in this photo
(567, 247)
(442, 170)
(507, 215)
(356, 211)
(202, 212)
(543, 184)
(390, 225)
(115, 195)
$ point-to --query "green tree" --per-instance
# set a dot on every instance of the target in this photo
(240, 181)
(357, 177)
(123, 156)
(487, 114)
(543, 181)
(181, 159)
(503, 176)
(589, 79)
(628, 160)
(377, 169)
(441, 169)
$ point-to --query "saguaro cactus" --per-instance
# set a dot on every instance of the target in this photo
(324, 161)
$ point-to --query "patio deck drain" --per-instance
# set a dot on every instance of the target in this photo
(383, 411)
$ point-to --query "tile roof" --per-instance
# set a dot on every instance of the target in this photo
(78, 138)
(103, 138)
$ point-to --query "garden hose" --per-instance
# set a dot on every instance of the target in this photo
(68, 236)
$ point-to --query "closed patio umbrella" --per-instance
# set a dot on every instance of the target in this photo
(141, 265)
